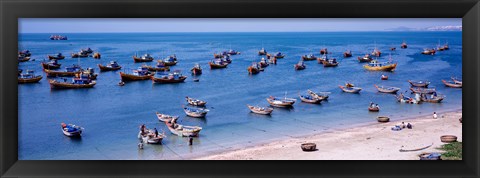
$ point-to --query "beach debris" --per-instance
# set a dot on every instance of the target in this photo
(448, 138)
(418, 149)
(309, 147)
(430, 156)
(396, 128)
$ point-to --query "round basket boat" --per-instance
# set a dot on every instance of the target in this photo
(383, 119)
(448, 138)
(309, 147)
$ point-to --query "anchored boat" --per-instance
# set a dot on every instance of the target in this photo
(381, 66)
(384, 89)
(195, 102)
(195, 112)
(182, 130)
(197, 69)
(53, 64)
(57, 56)
(141, 73)
(29, 77)
(165, 77)
(112, 66)
(71, 130)
(144, 58)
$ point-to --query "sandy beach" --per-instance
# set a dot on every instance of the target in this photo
(370, 142)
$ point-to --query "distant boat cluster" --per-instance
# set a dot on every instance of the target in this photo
(58, 37)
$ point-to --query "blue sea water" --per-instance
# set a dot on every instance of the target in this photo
(111, 115)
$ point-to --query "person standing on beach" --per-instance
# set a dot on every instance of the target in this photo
(434, 115)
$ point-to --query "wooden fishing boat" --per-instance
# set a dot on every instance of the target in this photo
(22, 58)
(384, 77)
(323, 51)
(71, 130)
(141, 73)
(69, 71)
(281, 102)
(160, 66)
(97, 55)
(319, 95)
(164, 77)
(165, 118)
(403, 45)
(226, 59)
(53, 64)
(232, 52)
(262, 52)
(170, 60)
(260, 110)
(422, 90)
(420, 83)
(309, 99)
(87, 51)
(434, 98)
(330, 63)
(428, 51)
(366, 58)
(254, 68)
(347, 53)
(376, 52)
(26, 53)
(58, 56)
(29, 77)
(195, 102)
(182, 130)
(380, 66)
(457, 81)
(374, 109)
(88, 73)
(76, 83)
(384, 89)
(79, 55)
(383, 119)
(279, 55)
(144, 58)
(195, 112)
(150, 137)
(217, 64)
(112, 66)
(300, 65)
(350, 89)
(197, 69)
(309, 57)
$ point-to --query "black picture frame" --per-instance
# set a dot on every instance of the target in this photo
(468, 10)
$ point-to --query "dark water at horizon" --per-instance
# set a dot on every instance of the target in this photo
(111, 114)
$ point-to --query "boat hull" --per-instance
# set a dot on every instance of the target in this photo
(196, 71)
(281, 105)
(166, 80)
(50, 66)
(166, 68)
(382, 89)
(351, 89)
(130, 77)
(452, 85)
(138, 59)
(52, 73)
(255, 110)
(63, 85)
(217, 66)
(389, 68)
(106, 68)
(56, 57)
(30, 80)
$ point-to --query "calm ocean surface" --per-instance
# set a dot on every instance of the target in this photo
(111, 115)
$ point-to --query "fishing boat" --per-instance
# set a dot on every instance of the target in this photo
(58, 37)
(232, 52)
(29, 77)
(197, 69)
(141, 73)
(182, 130)
(323, 51)
(160, 66)
(87, 51)
(165, 77)
(88, 72)
(69, 71)
(319, 95)
(260, 110)
(71, 130)
(457, 81)
(309, 57)
(452, 84)
(300, 65)
(384, 77)
(309, 99)
(150, 137)
(373, 107)
(281, 102)
(405, 99)
(434, 98)
(97, 55)
(81, 82)
(427, 51)
(366, 58)
(170, 60)
(195, 102)
(165, 118)
(26, 53)
(423, 90)
(263, 63)
(195, 112)
(381, 66)
(79, 55)
(279, 55)
(403, 45)
(144, 58)
(22, 58)
(112, 66)
(330, 63)
(226, 59)
(262, 52)
(350, 89)
(420, 83)
(384, 89)
(57, 56)
(347, 53)
(217, 64)
(254, 68)
(53, 64)
(376, 52)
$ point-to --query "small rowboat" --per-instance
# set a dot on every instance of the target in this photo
(279, 55)
(347, 54)
(175, 77)
(196, 70)
(422, 90)
(420, 83)
(403, 45)
(51, 65)
(58, 56)
(25, 53)
(144, 58)
(434, 98)
(150, 137)
(452, 84)
(195, 102)
(319, 95)
(29, 77)
(384, 77)
(183, 130)
(165, 118)
(217, 65)
(330, 63)
(383, 119)
(160, 66)
(112, 66)
(374, 109)
(428, 51)
(71, 130)
(260, 110)
(309, 99)
(445, 46)
(195, 112)
(366, 58)
(263, 63)
(285, 102)
(323, 51)
(309, 57)
(350, 89)
(384, 89)
(253, 69)
(300, 65)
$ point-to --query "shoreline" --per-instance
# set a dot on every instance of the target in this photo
(357, 142)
